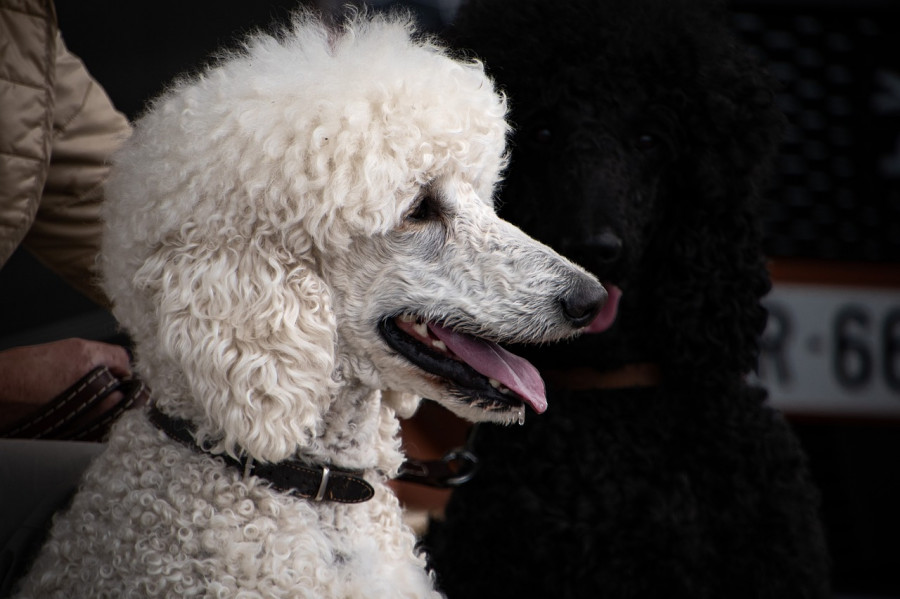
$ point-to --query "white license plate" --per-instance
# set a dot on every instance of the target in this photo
(832, 350)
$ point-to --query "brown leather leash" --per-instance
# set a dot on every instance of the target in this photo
(68, 415)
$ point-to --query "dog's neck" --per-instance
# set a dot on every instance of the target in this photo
(360, 432)
(357, 432)
(359, 440)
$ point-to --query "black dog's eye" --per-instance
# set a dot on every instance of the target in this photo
(425, 209)
(543, 135)
(646, 141)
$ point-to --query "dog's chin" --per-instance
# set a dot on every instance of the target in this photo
(468, 410)
(451, 380)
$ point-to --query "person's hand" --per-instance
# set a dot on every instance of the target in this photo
(35, 374)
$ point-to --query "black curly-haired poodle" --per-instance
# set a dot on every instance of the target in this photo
(643, 136)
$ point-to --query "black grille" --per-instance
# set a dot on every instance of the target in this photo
(837, 183)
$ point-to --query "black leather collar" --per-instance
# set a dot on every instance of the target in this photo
(318, 483)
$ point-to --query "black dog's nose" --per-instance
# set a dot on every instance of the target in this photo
(604, 246)
(583, 302)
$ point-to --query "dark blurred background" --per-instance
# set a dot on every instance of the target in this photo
(832, 228)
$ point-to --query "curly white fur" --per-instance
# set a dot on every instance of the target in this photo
(258, 230)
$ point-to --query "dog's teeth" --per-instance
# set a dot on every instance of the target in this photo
(421, 329)
(522, 416)
(406, 318)
(499, 386)
(437, 343)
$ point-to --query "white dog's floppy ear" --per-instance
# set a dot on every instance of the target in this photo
(254, 334)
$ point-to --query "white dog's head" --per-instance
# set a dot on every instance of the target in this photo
(316, 211)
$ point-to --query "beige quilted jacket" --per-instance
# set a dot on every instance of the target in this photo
(57, 130)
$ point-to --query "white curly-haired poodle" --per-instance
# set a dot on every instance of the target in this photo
(307, 222)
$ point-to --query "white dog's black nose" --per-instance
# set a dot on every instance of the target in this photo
(582, 303)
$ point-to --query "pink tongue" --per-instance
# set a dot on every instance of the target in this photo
(607, 315)
(494, 362)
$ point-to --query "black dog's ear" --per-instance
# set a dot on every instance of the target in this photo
(713, 232)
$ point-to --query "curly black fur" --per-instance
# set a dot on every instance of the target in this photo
(644, 133)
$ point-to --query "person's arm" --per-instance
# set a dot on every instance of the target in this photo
(66, 232)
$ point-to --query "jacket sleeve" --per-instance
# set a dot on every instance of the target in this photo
(87, 129)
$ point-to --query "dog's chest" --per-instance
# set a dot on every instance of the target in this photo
(158, 514)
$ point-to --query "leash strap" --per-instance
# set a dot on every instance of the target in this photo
(457, 467)
(454, 469)
(69, 416)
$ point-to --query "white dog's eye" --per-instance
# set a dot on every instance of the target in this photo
(426, 208)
